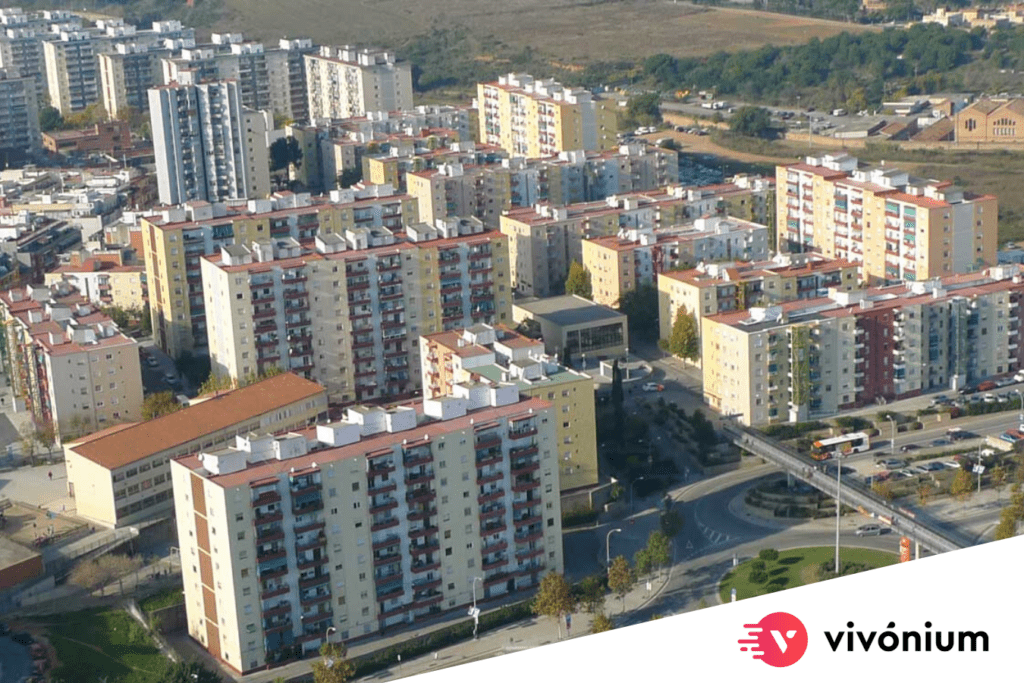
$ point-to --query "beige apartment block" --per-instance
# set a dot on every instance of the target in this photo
(811, 358)
(384, 519)
(105, 283)
(121, 476)
(545, 239)
(347, 310)
(492, 356)
(619, 264)
(540, 118)
(714, 288)
(70, 366)
(176, 238)
(896, 226)
(456, 190)
(343, 82)
(72, 69)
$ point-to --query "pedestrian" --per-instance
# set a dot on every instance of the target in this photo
(51, 475)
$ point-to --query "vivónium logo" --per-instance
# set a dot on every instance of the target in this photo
(779, 639)
(891, 640)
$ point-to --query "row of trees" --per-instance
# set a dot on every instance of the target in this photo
(557, 599)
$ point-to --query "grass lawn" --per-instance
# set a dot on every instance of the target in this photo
(98, 644)
(171, 596)
(798, 567)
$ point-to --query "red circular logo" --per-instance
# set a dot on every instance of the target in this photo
(779, 639)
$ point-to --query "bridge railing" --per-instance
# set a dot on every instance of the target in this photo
(854, 492)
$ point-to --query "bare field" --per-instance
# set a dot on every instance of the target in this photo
(566, 30)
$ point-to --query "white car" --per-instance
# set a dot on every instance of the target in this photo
(653, 386)
(1019, 377)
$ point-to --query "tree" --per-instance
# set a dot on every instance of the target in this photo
(684, 341)
(28, 441)
(215, 383)
(640, 306)
(1007, 527)
(284, 152)
(194, 368)
(91, 115)
(591, 594)
(46, 436)
(998, 480)
(643, 110)
(962, 486)
(883, 489)
(578, 281)
(159, 404)
(601, 624)
(621, 578)
(924, 492)
(642, 561)
(146, 321)
(659, 548)
(553, 599)
(350, 176)
(333, 667)
(755, 122)
(50, 119)
(101, 572)
(188, 672)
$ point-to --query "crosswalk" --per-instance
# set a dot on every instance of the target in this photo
(715, 537)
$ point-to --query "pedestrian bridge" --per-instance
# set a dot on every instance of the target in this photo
(853, 492)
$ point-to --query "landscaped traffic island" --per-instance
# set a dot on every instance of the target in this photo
(774, 571)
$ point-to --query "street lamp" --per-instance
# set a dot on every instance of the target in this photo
(892, 442)
(473, 611)
(839, 507)
(627, 363)
(608, 548)
(328, 632)
(631, 485)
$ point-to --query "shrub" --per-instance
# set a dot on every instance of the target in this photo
(758, 576)
(757, 565)
(916, 425)
(578, 516)
(769, 554)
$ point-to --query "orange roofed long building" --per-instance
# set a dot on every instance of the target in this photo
(69, 365)
(388, 517)
(899, 228)
(121, 475)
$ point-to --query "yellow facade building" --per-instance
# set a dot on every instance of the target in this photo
(540, 118)
(492, 356)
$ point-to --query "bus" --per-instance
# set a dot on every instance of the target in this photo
(846, 444)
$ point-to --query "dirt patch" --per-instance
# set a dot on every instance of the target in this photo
(25, 523)
(569, 30)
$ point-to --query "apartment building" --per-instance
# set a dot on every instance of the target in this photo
(104, 282)
(175, 239)
(545, 239)
(21, 55)
(269, 79)
(19, 117)
(751, 198)
(618, 264)
(896, 226)
(385, 518)
(122, 475)
(399, 155)
(713, 288)
(811, 358)
(72, 73)
(208, 146)
(455, 190)
(348, 311)
(69, 365)
(492, 356)
(540, 118)
(346, 81)
(126, 75)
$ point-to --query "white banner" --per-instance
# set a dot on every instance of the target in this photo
(950, 617)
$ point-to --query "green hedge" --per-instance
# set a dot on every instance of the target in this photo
(787, 430)
(579, 516)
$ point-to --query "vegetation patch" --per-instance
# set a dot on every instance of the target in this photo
(798, 567)
(99, 644)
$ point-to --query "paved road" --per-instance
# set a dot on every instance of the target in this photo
(15, 663)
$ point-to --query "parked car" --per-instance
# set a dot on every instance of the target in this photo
(951, 464)
(152, 362)
(940, 399)
(906, 448)
(891, 464)
(920, 469)
(653, 386)
(987, 385)
(990, 398)
(940, 442)
(933, 466)
(869, 530)
(171, 379)
(1004, 381)
(968, 390)
(1019, 377)
(907, 473)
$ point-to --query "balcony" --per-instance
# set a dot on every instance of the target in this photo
(494, 547)
(306, 508)
(311, 564)
(494, 563)
(266, 498)
(424, 548)
(386, 579)
(488, 457)
(524, 467)
(524, 486)
(383, 505)
(318, 542)
(387, 542)
(523, 504)
(385, 560)
(384, 524)
(423, 495)
(380, 466)
(382, 487)
(424, 531)
(274, 592)
(416, 458)
(529, 536)
(420, 567)
(314, 581)
(482, 479)
(529, 553)
(490, 496)
(309, 526)
(421, 512)
(496, 578)
(415, 478)
(487, 440)
(522, 433)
